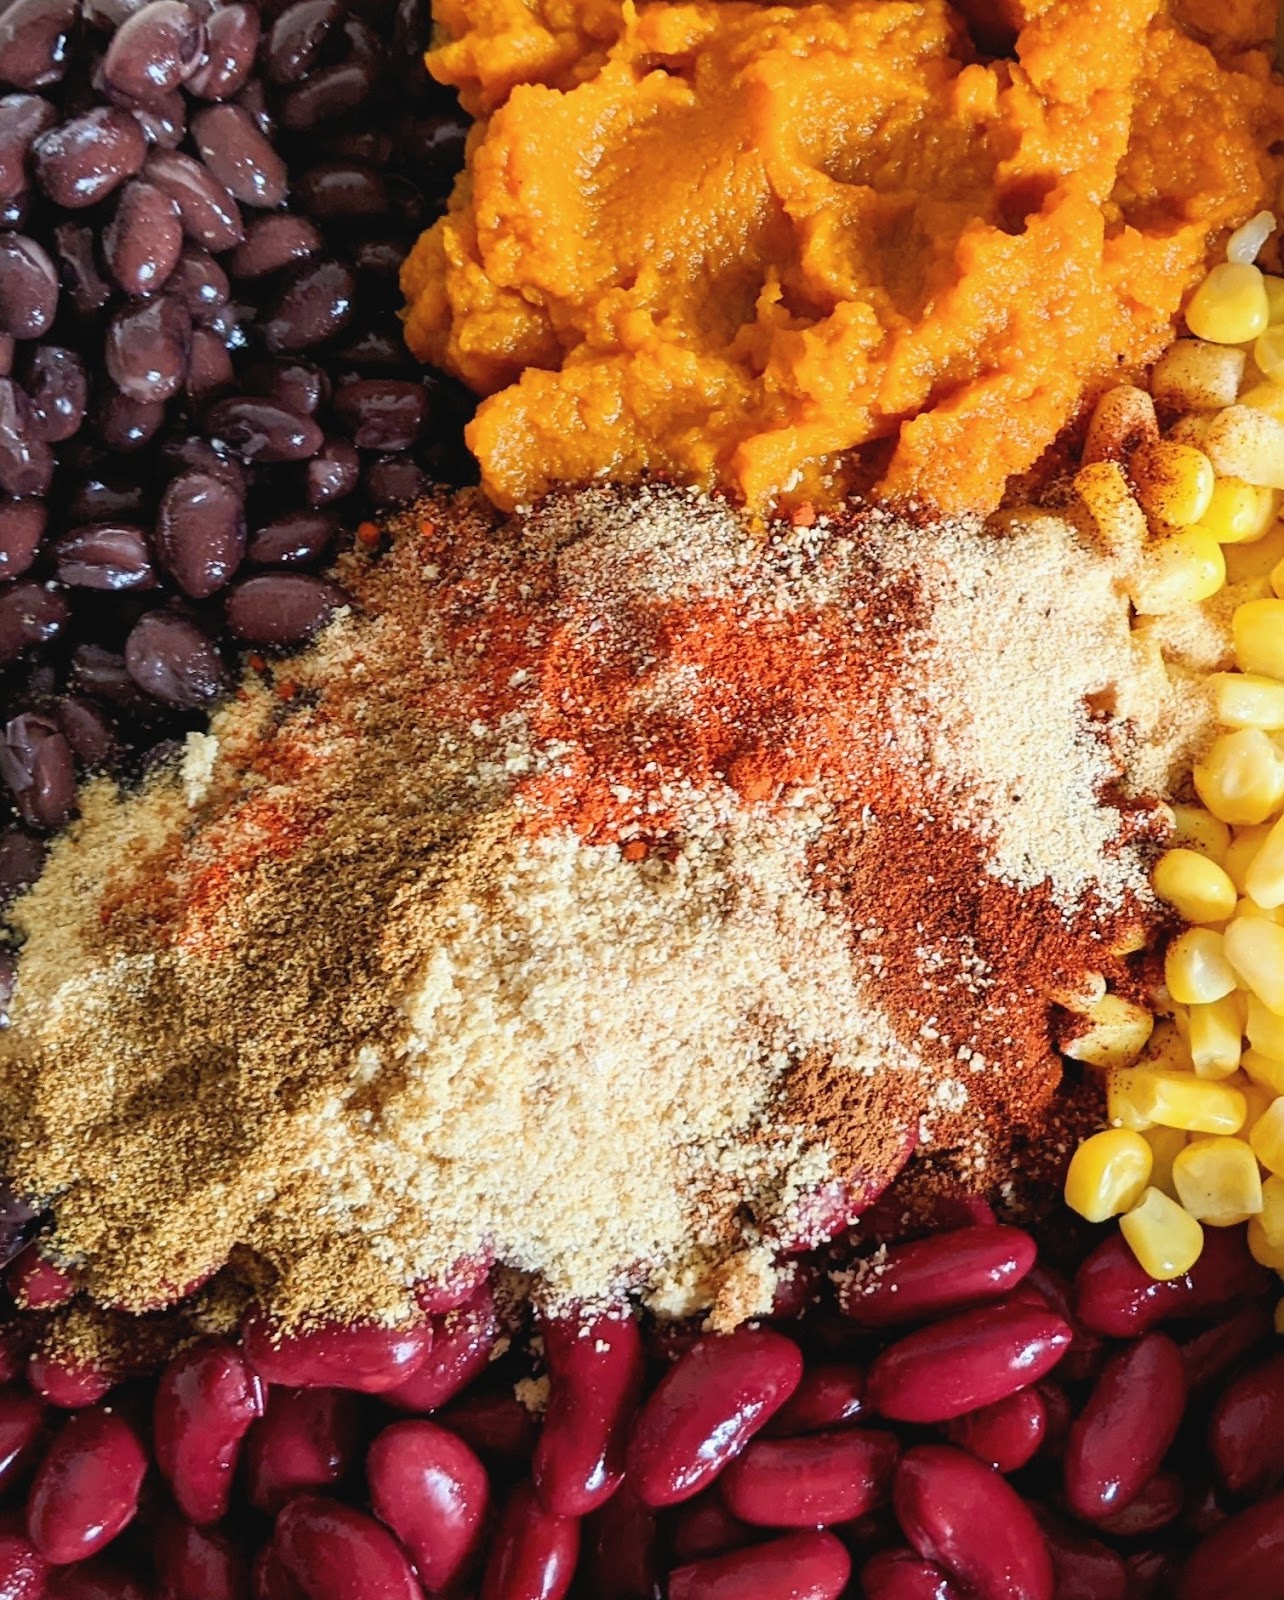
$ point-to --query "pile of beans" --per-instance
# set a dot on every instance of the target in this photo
(203, 386)
(948, 1417)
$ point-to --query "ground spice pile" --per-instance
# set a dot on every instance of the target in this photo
(613, 881)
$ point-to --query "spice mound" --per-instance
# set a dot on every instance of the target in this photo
(613, 891)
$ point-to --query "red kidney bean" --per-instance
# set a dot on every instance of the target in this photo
(261, 431)
(1211, 1353)
(619, 1550)
(232, 39)
(154, 51)
(813, 1480)
(1005, 1435)
(294, 44)
(902, 1575)
(24, 1571)
(22, 1426)
(965, 1361)
(37, 765)
(308, 1439)
(81, 161)
(1083, 1568)
(240, 157)
(29, 615)
(1116, 1297)
(100, 1579)
(282, 608)
(104, 555)
(22, 525)
(36, 1283)
(210, 215)
(86, 1488)
(172, 660)
(1242, 1560)
(200, 533)
(332, 1552)
(463, 1340)
(28, 287)
(1157, 1504)
(297, 539)
(496, 1424)
(23, 118)
(830, 1393)
(965, 1517)
(1123, 1432)
(432, 1491)
(706, 1408)
(1246, 1430)
(943, 1272)
(58, 390)
(315, 304)
(206, 1400)
(799, 1566)
(595, 1370)
(143, 240)
(26, 461)
(455, 1286)
(204, 1562)
(532, 1553)
(365, 1358)
(34, 39)
(146, 347)
(703, 1527)
(65, 1383)
(269, 1579)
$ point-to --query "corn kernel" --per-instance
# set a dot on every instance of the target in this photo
(1124, 417)
(1247, 907)
(1260, 1247)
(1248, 564)
(1267, 1138)
(1255, 950)
(1259, 1100)
(1107, 1174)
(1247, 240)
(1165, 1239)
(1258, 631)
(1216, 1036)
(1264, 879)
(1265, 1029)
(1241, 777)
(1192, 428)
(1111, 1033)
(1267, 397)
(1167, 1050)
(1174, 482)
(1180, 1019)
(1109, 501)
(1218, 1182)
(1248, 700)
(1268, 352)
(1180, 570)
(1194, 376)
(1271, 1216)
(1082, 995)
(1196, 969)
(1164, 1144)
(1246, 442)
(1240, 852)
(1238, 512)
(1198, 888)
(1274, 296)
(1230, 305)
(1197, 829)
(1177, 1099)
(1264, 1071)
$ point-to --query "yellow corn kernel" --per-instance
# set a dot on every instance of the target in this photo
(1194, 376)
(1196, 829)
(1174, 482)
(1109, 501)
(1274, 296)
(1259, 1100)
(1165, 1239)
(1107, 1174)
(1258, 631)
(1178, 571)
(1255, 950)
(1196, 969)
(1230, 305)
(1238, 512)
(1082, 995)
(1216, 1038)
(1271, 1216)
(1198, 888)
(1265, 1029)
(1267, 1138)
(1124, 417)
(1264, 879)
(1246, 907)
(1260, 1247)
(1218, 1182)
(1265, 396)
(1264, 1071)
(1244, 845)
(1241, 777)
(1167, 1050)
(1110, 1033)
(1248, 564)
(1248, 700)
(1247, 442)
(1164, 1144)
(1268, 352)
(1180, 1019)
(1177, 1099)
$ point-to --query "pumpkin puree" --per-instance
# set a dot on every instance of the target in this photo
(802, 250)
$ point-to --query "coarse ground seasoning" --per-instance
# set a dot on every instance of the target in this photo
(608, 882)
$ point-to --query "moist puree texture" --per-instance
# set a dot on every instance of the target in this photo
(805, 250)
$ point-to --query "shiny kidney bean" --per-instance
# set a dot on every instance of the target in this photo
(22, 1426)
(1157, 1504)
(903, 1575)
(262, 431)
(66, 1383)
(365, 1358)
(830, 1393)
(204, 1562)
(1242, 1560)
(200, 532)
(332, 473)
(209, 366)
(943, 1272)
(966, 1361)
(58, 390)
(24, 1572)
(143, 240)
(232, 39)
(433, 1492)
(532, 1553)
(164, 121)
(273, 243)
(1123, 1432)
(703, 1527)
(495, 1423)
(1083, 1568)
(127, 425)
(22, 526)
(206, 1400)
(1209, 1354)
(315, 304)
(332, 1552)
(211, 217)
(962, 1515)
(36, 1283)
(236, 151)
(104, 555)
(28, 287)
(79, 162)
(23, 118)
(146, 348)
(1115, 1296)
(86, 1488)
(619, 1550)
(463, 1340)
(281, 608)
(30, 615)
(154, 50)
(813, 1480)
(297, 539)
(89, 732)
(308, 1439)
(34, 40)
(172, 660)
(37, 765)
(706, 1408)
(1005, 1435)
(595, 1370)
(799, 1566)
(1246, 1430)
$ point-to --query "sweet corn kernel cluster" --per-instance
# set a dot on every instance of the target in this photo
(1196, 1099)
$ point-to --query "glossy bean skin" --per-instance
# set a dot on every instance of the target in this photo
(1083, 1567)
(532, 1553)
(205, 1402)
(944, 1272)
(1246, 1431)
(831, 1394)
(1116, 1297)
(37, 1283)
(814, 1480)
(799, 1566)
(24, 1572)
(595, 1381)
(22, 1424)
(200, 532)
(1122, 1434)
(1005, 1435)
(1212, 1352)
(706, 1408)
(1157, 1504)
(966, 1361)
(307, 1439)
(902, 1575)
(962, 1515)
(199, 1561)
(496, 1424)
(1242, 1560)
(619, 1550)
(461, 1348)
(433, 1492)
(65, 1383)
(22, 526)
(331, 1552)
(80, 162)
(86, 1488)
(365, 1358)
(171, 659)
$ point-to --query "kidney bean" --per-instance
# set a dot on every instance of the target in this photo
(1005, 1435)
(104, 555)
(799, 1566)
(34, 40)
(269, 1579)
(1157, 1504)
(22, 1426)
(66, 1383)
(24, 1572)
(1211, 1353)
(154, 50)
(299, 386)
(297, 539)
(814, 1479)
(1123, 1432)
(946, 1271)
(1083, 1568)
(365, 1358)
(830, 1393)
(22, 526)
(80, 162)
(899, 1574)
(595, 1371)
(28, 287)
(261, 431)
(201, 284)
(496, 1424)
(86, 1488)
(706, 1408)
(58, 391)
(193, 1561)
(143, 240)
(210, 215)
(232, 39)
(456, 1285)
(100, 1579)
(619, 1550)
(282, 608)
(532, 1553)
(172, 660)
(200, 533)
(36, 1283)
(238, 154)
(463, 1340)
(36, 763)
(206, 1400)
(1242, 1560)
(332, 1552)
(209, 366)
(1246, 1431)
(294, 43)
(273, 242)
(127, 425)
(146, 348)
(432, 1491)
(1116, 1297)
(26, 461)
(308, 1439)
(164, 121)
(315, 304)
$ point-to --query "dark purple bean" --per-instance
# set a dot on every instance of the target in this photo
(88, 289)
(103, 674)
(58, 390)
(380, 258)
(210, 216)
(35, 36)
(253, 101)
(125, 424)
(36, 763)
(108, 497)
(313, 306)
(332, 473)
(200, 283)
(22, 859)
(7, 346)
(80, 162)
(293, 45)
(88, 730)
(164, 123)
(328, 95)
(239, 155)
(258, 430)
(22, 526)
(26, 461)
(104, 555)
(343, 191)
(209, 365)
(297, 539)
(274, 242)
(154, 51)
(297, 385)
(30, 615)
(232, 39)
(172, 660)
(28, 287)
(200, 533)
(371, 146)
(142, 242)
(193, 454)
(16, 212)
(146, 348)
(433, 150)
(23, 118)
(282, 608)
(395, 480)
(379, 350)
(365, 42)
(380, 413)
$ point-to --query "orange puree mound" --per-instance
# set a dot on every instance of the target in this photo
(797, 250)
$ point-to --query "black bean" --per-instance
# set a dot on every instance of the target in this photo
(332, 473)
(200, 283)
(88, 289)
(274, 242)
(146, 348)
(30, 615)
(143, 240)
(372, 146)
(164, 121)
(328, 95)
(172, 660)
(16, 211)
(282, 608)
(200, 533)
(364, 43)
(108, 15)
(104, 555)
(381, 413)
(379, 350)
(28, 287)
(22, 526)
(81, 161)
(297, 539)
(88, 730)
(125, 424)
(23, 118)
(34, 39)
(380, 258)
(395, 480)
(314, 305)
(7, 348)
(239, 155)
(210, 216)
(209, 365)
(293, 45)
(232, 39)
(434, 150)
(102, 673)
(343, 191)
(58, 390)
(108, 497)
(154, 51)
(26, 461)
(37, 764)
(253, 101)
(22, 858)
(299, 386)
(259, 430)
(193, 454)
